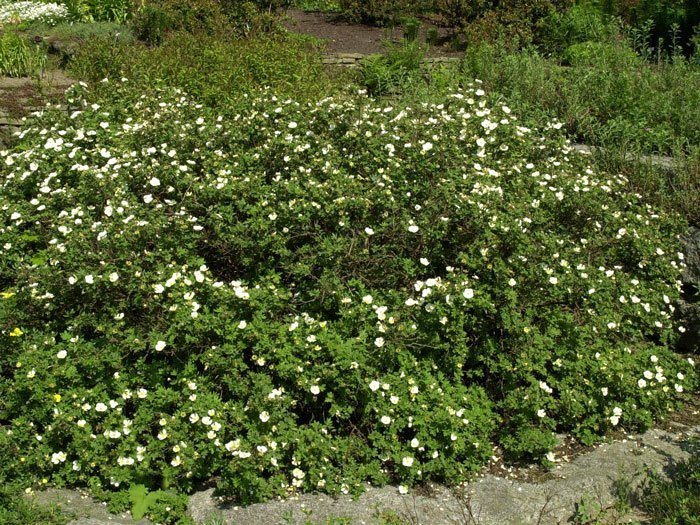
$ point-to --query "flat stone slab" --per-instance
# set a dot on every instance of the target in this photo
(489, 500)
(84, 509)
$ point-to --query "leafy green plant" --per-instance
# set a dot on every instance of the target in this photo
(117, 11)
(213, 69)
(18, 58)
(675, 498)
(385, 73)
(157, 18)
(308, 296)
(324, 6)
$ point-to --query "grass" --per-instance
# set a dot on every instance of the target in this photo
(16, 509)
(675, 500)
(18, 58)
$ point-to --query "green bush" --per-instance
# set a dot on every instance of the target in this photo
(292, 297)
(616, 101)
(389, 72)
(601, 55)
(582, 23)
(18, 58)
(156, 18)
(213, 69)
(519, 24)
(99, 10)
(667, 23)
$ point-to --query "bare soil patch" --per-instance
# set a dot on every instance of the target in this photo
(343, 37)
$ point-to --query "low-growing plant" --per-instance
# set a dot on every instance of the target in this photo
(215, 70)
(388, 72)
(675, 497)
(19, 58)
(157, 18)
(117, 11)
(284, 296)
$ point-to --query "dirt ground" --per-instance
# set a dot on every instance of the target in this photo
(343, 37)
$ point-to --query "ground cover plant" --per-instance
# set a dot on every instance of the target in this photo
(286, 296)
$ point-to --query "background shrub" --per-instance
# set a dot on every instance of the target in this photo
(99, 10)
(156, 18)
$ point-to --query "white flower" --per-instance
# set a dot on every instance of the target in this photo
(424, 261)
(374, 386)
(148, 198)
(379, 342)
(512, 282)
(407, 461)
(315, 390)
(58, 457)
(553, 280)
(414, 443)
(100, 407)
(141, 393)
(468, 293)
(367, 299)
(242, 325)
(176, 461)
(61, 354)
(154, 182)
(114, 277)
(427, 146)
(386, 420)
(641, 383)
(264, 417)
(541, 413)
(89, 279)
(413, 228)
(403, 489)
(369, 231)
(298, 473)
(160, 346)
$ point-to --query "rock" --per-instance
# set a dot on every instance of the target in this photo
(689, 306)
(83, 509)
(489, 500)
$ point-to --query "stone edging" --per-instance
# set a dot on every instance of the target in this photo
(354, 59)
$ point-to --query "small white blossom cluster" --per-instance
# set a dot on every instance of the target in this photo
(27, 11)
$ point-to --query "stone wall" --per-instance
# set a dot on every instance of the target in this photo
(353, 59)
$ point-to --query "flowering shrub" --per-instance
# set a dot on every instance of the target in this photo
(293, 296)
(12, 12)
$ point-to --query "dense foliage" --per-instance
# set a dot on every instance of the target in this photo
(310, 296)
